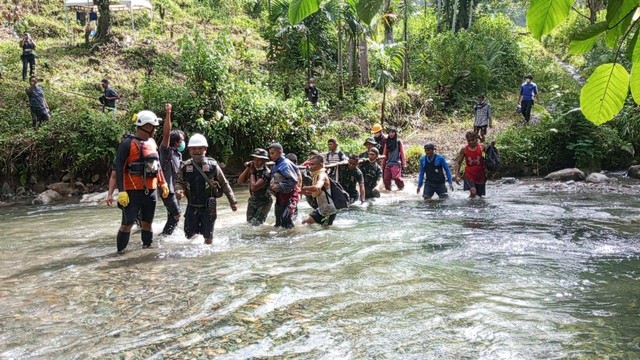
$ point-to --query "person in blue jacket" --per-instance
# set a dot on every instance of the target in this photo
(528, 93)
(433, 169)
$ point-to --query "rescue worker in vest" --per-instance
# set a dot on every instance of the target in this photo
(259, 176)
(372, 173)
(138, 175)
(171, 148)
(475, 177)
(433, 168)
(202, 181)
(284, 184)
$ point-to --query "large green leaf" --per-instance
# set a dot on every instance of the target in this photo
(635, 82)
(631, 48)
(619, 9)
(300, 9)
(602, 97)
(367, 9)
(544, 15)
(584, 41)
(614, 34)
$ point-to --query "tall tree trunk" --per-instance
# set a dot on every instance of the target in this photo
(384, 100)
(439, 17)
(388, 23)
(455, 13)
(405, 38)
(308, 57)
(351, 59)
(103, 33)
(340, 68)
(470, 15)
(364, 61)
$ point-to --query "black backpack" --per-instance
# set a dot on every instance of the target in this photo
(340, 197)
(492, 158)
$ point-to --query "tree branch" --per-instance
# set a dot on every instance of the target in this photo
(581, 14)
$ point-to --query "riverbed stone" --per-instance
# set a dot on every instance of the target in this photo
(20, 191)
(6, 190)
(598, 178)
(66, 178)
(634, 171)
(566, 175)
(61, 188)
(95, 178)
(47, 197)
(508, 181)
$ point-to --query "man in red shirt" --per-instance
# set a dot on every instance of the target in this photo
(475, 178)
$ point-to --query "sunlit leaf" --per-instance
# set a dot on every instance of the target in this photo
(614, 34)
(544, 15)
(619, 9)
(584, 41)
(635, 82)
(367, 9)
(603, 95)
(301, 9)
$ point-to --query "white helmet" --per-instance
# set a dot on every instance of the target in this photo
(146, 117)
(198, 140)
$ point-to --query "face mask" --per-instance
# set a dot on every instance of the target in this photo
(528, 81)
(181, 147)
(197, 158)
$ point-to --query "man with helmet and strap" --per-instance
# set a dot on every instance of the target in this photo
(138, 175)
(202, 181)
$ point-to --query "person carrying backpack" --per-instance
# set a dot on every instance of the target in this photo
(320, 189)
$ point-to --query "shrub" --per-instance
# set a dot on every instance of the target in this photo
(41, 27)
(413, 155)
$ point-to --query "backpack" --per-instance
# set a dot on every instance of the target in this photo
(339, 196)
(492, 158)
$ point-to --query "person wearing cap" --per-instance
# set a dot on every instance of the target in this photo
(37, 103)
(378, 137)
(395, 160)
(284, 184)
(202, 181)
(171, 148)
(433, 169)
(475, 177)
(372, 173)
(351, 176)
(109, 96)
(28, 56)
(369, 143)
(528, 93)
(258, 175)
(138, 175)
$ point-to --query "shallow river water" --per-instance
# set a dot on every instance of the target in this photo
(522, 274)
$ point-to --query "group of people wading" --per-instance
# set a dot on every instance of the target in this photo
(142, 171)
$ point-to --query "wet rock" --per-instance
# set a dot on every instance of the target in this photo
(634, 171)
(6, 190)
(47, 197)
(6, 203)
(508, 181)
(79, 185)
(20, 191)
(95, 178)
(66, 178)
(61, 188)
(39, 187)
(566, 175)
(598, 178)
(570, 182)
(97, 198)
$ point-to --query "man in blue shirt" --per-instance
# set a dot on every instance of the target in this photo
(37, 103)
(528, 92)
(433, 168)
(284, 184)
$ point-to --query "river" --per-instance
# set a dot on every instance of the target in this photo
(522, 274)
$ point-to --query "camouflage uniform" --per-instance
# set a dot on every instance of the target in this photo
(260, 200)
(349, 179)
(372, 174)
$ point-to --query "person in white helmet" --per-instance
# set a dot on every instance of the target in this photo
(202, 181)
(138, 175)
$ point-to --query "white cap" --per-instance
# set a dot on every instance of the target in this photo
(198, 140)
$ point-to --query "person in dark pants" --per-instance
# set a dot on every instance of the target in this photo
(312, 92)
(37, 103)
(138, 175)
(433, 169)
(171, 149)
(109, 96)
(284, 184)
(258, 175)
(528, 92)
(201, 213)
(28, 55)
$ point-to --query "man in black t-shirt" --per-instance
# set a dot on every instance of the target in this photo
(109, 96)
(312, 92)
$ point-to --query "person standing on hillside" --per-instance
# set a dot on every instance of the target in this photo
(475, 177)
(483, 117)
(528, 93)
(395, 160)
(171, 148)
(37, 103)
(28, 56)
(109, 96)
(311, 91)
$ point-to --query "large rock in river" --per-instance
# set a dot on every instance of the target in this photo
(566, 175)
(61, 188)
(597, 178)
(634, 171)
(47, 197)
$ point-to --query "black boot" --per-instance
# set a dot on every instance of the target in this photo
(147, 238)
(122, 241)
(170, 226)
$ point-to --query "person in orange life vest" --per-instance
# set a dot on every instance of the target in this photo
(138, 175)
(475, 177)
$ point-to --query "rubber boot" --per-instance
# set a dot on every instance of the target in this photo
(147, 238)
(170, 225)
(122, 240)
